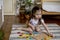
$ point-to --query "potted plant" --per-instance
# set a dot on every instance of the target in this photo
(1, 34)
(28, 5)
(28, 8)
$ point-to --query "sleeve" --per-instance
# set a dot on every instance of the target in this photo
(42, 20)
(30, 21)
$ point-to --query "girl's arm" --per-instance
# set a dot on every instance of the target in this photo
(29, 24)
(46, 27)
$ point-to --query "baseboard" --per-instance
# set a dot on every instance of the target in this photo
(9, 13)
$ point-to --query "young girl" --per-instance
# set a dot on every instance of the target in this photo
(35, 20)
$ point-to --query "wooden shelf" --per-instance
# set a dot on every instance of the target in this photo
(38, 2)
(50, 13)
(50, 0)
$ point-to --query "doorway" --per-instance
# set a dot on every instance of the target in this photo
(1, 13)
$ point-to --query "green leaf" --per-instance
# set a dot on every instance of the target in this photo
(1, 35)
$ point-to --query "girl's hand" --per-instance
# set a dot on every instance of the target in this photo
(51, 35)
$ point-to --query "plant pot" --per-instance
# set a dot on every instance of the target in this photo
(22, 18)
(27, 16)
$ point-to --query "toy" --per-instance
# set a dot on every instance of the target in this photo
(29, 38)
(25, 36)
(48, 38)
(42, 36)
(35, 35)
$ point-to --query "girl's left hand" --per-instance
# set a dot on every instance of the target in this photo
(50, 34)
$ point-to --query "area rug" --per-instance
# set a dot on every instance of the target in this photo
(54, 29)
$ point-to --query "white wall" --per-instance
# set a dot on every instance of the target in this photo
(1, 2)
(1, 7)
(9, 7)
(1, 13)
(51, 6)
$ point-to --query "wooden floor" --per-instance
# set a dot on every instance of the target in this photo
(10, 20)
(6, 27)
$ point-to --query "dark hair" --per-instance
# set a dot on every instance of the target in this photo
(35, 9)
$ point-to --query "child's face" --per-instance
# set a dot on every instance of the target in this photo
(38, 14)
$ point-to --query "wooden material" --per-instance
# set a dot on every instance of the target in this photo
(10, 20)
(50, 13)
(6, 27)
(51, 0)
